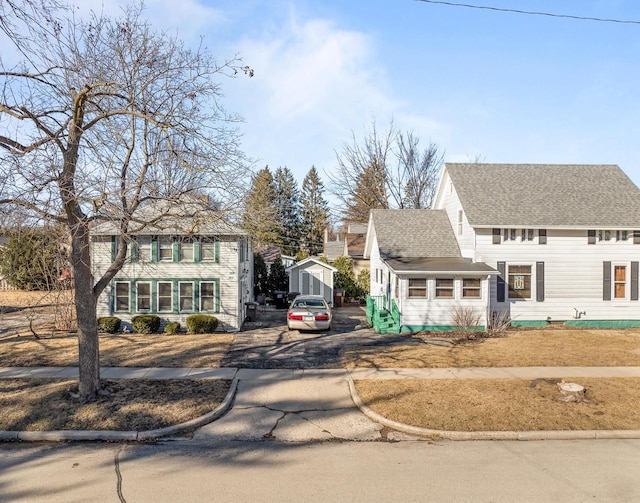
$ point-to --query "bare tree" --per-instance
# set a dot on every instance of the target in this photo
(387, 170)
(102, 117)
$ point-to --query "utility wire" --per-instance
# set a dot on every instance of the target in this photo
(531, 13)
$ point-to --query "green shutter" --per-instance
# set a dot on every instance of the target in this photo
(197, 243)
(113, 248)
(175, 250)
(154, 249)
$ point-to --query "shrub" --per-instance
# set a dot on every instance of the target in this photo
(109, 324)
(146, 323)
(466, 319)
(172, 327)
(201, 324)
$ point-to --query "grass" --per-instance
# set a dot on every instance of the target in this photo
(131, 405)
(504, 404)
(130, 350)
(552, 347)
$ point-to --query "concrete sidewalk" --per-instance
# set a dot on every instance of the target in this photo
(354, 373)
(303, 405)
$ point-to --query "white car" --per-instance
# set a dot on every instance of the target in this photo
(309, 312)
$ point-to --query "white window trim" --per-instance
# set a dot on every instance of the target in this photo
(627, 281)
(115, 300)
(193, 300)
(213, 309)
(426, 286)
(170, 283)
(138, 310)
(453, 288)
(480, 289)
(460, 221)
(531, 286)
(162, 239)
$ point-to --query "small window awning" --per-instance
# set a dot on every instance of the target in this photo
(448, 266)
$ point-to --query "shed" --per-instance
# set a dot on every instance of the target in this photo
(312, 277)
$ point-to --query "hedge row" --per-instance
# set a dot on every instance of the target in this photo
(150, 324)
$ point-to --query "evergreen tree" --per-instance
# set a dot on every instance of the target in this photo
(260, 275)
(278, 278)
(314, 213)
(287, 207)
(33, 258)
(260, 215)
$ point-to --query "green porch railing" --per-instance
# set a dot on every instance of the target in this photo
(380, 318)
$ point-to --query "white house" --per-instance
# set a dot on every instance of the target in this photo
(418, 275)
(564, 238)
(177, 267)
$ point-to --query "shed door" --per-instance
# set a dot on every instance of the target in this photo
(311, 282)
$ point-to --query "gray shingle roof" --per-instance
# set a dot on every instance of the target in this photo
(439, 265)
(333, 249)
(546, 195)
(414, 233)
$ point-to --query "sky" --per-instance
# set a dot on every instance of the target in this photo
(481, 84)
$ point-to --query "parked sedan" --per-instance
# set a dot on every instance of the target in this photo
(309, 312)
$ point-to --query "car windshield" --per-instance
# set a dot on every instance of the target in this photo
(308, 303)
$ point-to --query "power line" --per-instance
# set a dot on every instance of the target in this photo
(531, 13)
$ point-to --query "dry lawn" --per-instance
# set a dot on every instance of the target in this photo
(504, 404)
(130, 350)
(132, 405)
(552, 347)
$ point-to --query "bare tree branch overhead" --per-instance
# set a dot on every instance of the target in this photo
(101, 117)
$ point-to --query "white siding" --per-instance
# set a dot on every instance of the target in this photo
(449, 201)
(573, 275)
(432, 311)
(233, 277)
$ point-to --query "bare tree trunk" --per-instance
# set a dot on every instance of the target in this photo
(85, 300)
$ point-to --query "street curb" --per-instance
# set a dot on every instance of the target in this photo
(489, 435)
(122, 436)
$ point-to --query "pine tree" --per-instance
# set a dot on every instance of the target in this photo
(260, 216)
(314, 212)
(278, 278)
(287, 207)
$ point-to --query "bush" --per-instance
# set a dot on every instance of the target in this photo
(201, 324)
(172, 327)
(466, 319)
(109, 324)
(146, 323)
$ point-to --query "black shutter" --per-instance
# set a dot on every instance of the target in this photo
(502, 268)
(606, 281)
(540, 281)
(636, 237)
(542, 236)
(496, 236)
(634, 280)
(591, 237)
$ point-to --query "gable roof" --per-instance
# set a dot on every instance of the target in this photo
(174, 218)
(333, 249)
(546, 195)
(355, 244)
(414, 233)
(310, 261)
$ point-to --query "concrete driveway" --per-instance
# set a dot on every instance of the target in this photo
(268, 344)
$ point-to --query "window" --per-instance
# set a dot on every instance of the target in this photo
(622, 235)
(471, 288)
(417, 287)
(165, 296)
(460, 214)
(141, 249)
(509, 234)
(207, 295)
(165, 248)
(444, 288)
(527, 235)
(186, 250)
(186, 296)
(143, 297)
(208, 250)
(122, 297)
(620, 282)
(604, 235)
(519, 281)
